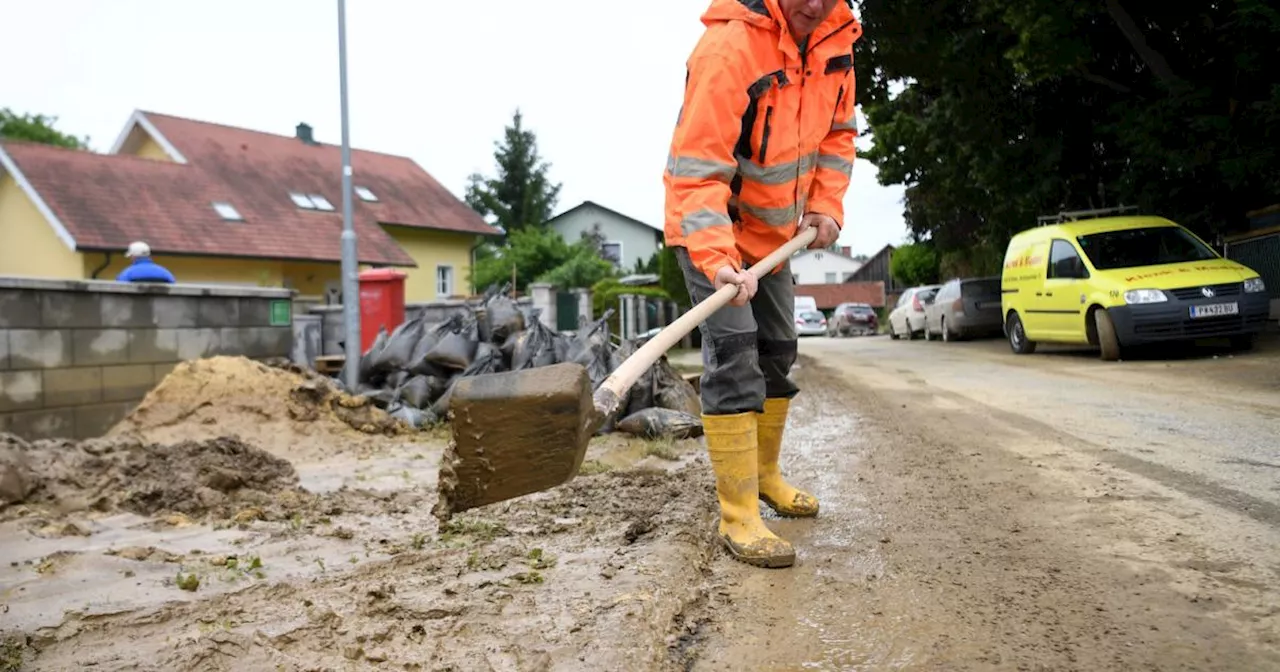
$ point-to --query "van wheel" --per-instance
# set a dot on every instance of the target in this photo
(1107, 338)
(1018, 340)
(928, 335)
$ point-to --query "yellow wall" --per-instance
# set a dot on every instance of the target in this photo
(308, 278)
(28, 245)
(150, 149)
(430, 249)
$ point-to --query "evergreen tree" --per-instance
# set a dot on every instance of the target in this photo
(520, 195)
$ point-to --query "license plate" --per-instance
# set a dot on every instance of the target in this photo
(1215, 310)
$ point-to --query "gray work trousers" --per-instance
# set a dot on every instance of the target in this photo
(747, 351)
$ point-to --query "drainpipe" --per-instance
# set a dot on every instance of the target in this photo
(106, 261)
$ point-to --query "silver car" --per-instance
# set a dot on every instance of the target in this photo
(811, 323)
(907, 318)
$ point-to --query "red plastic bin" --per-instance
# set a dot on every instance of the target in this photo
(381, 303)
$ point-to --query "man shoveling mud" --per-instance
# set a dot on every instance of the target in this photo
(763, 149)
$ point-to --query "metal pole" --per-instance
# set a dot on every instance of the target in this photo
(350, 266)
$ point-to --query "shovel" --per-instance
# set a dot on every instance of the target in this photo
(515, 433)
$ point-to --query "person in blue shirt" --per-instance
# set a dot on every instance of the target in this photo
(143, 269)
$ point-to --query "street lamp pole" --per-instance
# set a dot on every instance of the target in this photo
(350, 266)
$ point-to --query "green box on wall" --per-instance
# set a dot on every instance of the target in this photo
(281, 313)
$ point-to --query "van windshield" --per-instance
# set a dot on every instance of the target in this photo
(1150, 246)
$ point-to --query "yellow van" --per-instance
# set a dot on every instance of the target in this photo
(1122, 281)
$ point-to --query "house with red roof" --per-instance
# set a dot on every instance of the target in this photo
(225, 205)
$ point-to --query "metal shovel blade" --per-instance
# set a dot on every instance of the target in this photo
(515, 433)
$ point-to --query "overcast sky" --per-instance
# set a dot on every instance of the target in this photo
(599, 82)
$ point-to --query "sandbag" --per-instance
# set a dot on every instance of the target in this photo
(488, 360)
(416, 392)
(436, 386)
(654, 423)
(672, 391)
(534, 348)
(375, 349)
(398, 352)
(457, 347)
(502, 318)
(409, 415)
(508, 350)
(397, 379)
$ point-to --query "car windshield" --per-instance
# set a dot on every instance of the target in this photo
(1150, 246)
(811, 315)
(861, 310)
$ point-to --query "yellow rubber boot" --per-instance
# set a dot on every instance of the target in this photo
(775, 491)
(731, 444)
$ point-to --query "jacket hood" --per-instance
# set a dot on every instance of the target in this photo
(766, 14)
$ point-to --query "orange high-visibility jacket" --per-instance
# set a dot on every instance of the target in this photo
(763, 137)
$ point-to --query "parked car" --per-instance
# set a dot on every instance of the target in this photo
(907, 318)
(963, 308)
(811, 323)
(1124, 281)
(854, 318)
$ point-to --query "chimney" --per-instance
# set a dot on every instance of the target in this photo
(846, 251)
(304, 134)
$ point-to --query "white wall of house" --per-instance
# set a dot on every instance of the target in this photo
(819, 267)
(634, 240)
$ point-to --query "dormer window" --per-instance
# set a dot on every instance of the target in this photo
(310, 201)
(366, 195)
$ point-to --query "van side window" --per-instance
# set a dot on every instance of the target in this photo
(1065, 262)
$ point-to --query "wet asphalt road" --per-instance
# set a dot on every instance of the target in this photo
(1202, 421)
(986, 511)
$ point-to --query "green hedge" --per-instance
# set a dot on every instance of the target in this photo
(604, 295)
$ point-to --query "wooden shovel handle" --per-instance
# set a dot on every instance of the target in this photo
(626, 375)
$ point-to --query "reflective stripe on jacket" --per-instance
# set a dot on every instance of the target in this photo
(763, 137)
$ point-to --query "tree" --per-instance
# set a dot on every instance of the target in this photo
(914, 264)
(992, 112)
(37, 128)
(541, 255)
(671, 277)
(521, 195)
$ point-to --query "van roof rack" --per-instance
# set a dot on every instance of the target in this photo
(1074, 215)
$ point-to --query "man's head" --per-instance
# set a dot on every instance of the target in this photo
(138, 250)
(804, 16)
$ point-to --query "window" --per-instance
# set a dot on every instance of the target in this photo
(1148, 246)
(226, 211)
(302, 201)
(366, 195)
(311, 201)
(444, 281)
(612, 252)
(831, 278)
(320, 202)
(1064, 262)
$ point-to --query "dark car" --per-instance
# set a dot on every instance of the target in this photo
(850, 319)
(965, 308)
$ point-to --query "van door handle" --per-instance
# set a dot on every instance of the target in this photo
(1048, 293)
(1039, 293)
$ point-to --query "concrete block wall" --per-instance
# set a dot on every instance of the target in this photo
(76, 356)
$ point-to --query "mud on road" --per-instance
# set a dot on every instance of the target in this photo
(970, 523)
(975, 540)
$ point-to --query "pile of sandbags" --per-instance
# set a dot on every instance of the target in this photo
(411, 371)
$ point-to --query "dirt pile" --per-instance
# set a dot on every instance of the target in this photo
(287, 411)
(219, 477)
